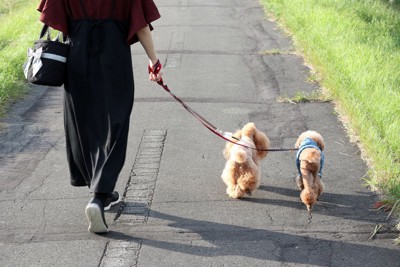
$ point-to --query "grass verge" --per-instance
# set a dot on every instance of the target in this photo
(301, 97)
(19, 27)
(355, 48)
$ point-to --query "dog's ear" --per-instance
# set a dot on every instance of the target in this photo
(300, 139)
(262, 142)
(321, 144)
(298, 142)
(229, 145)
(320, 141)
(249, 129)
(227, 152)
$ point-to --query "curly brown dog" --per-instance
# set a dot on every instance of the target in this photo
(242, 169)
(309, 161)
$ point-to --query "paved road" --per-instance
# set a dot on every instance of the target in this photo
(175, 211)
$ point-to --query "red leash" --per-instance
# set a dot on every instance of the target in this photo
(224, 135)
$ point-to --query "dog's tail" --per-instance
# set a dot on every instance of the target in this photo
(240, 156)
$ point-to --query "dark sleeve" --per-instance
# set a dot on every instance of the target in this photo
(142, 13)
(54, 14)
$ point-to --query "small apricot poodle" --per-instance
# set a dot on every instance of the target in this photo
(242, 169)
(309, 162)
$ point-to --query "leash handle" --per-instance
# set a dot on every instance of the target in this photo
(155, 69)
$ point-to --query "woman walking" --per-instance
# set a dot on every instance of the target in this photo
(99, 90)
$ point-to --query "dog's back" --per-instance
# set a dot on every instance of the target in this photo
(310, 159)
(240, 153)
(309, 167)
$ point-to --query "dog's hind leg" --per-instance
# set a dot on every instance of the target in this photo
(228, 176)
(299, 182)
(320, 186)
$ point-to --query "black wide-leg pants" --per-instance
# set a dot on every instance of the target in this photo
(98, 102)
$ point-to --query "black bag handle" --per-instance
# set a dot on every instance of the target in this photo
(46, 30)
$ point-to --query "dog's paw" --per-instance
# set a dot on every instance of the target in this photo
(230, 190)
(237, 192)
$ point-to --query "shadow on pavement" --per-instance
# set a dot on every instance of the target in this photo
(261, 244)
(351, 207)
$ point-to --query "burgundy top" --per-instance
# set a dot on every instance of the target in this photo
(139, 13)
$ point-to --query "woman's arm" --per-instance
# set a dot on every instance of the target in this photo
(146, 39)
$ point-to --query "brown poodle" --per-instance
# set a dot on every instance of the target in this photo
(242, 170)
(309, 161)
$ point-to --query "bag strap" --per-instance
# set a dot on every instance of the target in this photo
(46, 30)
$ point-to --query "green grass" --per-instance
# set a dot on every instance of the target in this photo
(8, 6)
(19, 27)
(354, 45)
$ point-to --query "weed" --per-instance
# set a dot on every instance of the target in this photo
(301, 97)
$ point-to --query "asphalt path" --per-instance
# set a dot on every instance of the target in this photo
(228, 62)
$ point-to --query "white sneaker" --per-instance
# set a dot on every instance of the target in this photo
(95, 215)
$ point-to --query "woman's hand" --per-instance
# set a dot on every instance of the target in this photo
(155, 73)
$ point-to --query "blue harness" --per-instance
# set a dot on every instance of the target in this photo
(309, 143)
